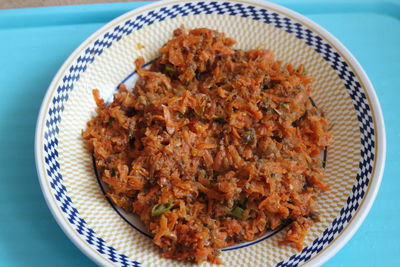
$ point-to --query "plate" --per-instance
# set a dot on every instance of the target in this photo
(354, 163)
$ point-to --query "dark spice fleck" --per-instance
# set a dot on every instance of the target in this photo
(198, 75)
(110, 122)
(131, 112)
(264, 106)
(190, 114)
(220, 120)
(277, 138)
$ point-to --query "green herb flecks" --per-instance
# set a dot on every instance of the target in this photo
(170, 70)
(161, 208)
(277, 111)
(237, 213)
(285, 105)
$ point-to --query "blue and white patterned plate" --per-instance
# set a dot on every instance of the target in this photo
(354, 163)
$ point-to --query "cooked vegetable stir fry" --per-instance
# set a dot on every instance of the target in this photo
(213, 146)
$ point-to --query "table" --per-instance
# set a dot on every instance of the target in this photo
(35, 42)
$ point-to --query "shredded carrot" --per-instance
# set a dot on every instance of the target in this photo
(212, 147)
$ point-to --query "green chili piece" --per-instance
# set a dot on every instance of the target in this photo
(285, 105)
(161, 208)
(277, 111)
(169, 69)
(237, 212)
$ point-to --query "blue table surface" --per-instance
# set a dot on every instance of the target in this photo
(35, 42)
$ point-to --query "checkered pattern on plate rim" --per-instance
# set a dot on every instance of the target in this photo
(343, 70)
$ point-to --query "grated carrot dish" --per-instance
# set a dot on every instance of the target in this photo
(212, 147)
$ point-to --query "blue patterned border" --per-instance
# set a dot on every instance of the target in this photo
(53, 117)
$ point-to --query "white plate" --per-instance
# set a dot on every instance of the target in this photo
(354, 162)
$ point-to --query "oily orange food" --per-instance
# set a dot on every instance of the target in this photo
(212, 147)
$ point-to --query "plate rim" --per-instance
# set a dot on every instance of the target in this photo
(380, 132)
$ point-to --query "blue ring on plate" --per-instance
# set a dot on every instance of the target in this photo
(301, 32)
